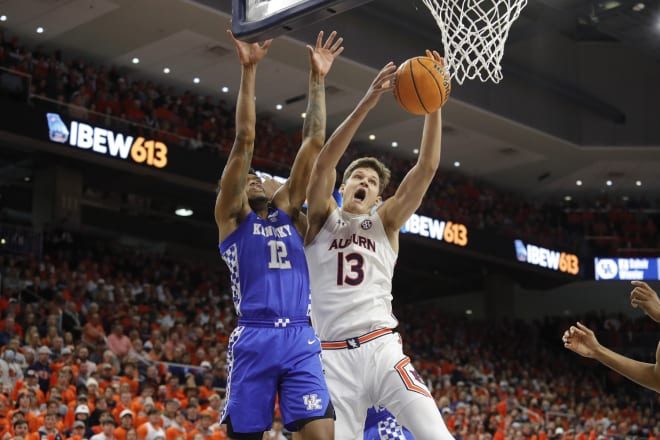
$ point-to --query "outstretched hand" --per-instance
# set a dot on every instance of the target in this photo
(436, 56)
(323, 55)
(580, 339)
(249, 54)
(384, 82)
(645, 298)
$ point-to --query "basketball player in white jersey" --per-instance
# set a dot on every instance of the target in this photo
(351, 252)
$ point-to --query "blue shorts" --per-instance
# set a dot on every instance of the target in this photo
(264, 360)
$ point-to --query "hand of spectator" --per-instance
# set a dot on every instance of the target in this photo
(645, 298)
(580, 339)
(323, 55)
(250, 53)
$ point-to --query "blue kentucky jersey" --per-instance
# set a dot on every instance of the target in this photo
(268, 269)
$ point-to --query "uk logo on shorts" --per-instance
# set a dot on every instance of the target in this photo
(312, 402)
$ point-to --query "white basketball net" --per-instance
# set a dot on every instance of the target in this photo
(473, 35)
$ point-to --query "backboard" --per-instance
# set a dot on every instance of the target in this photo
(258, 20)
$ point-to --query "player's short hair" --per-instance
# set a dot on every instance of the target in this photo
(379, 167)
(250, 171)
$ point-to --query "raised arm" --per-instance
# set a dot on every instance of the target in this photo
(406, 200)
(322, 180)
(231, 204)
(291, 196)
(580, 339)
(644, 297)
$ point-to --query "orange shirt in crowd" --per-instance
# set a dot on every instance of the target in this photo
(120, 433)
(214, 435)
(21, 384)
(34, 421)
(172, 432)
(133, 384)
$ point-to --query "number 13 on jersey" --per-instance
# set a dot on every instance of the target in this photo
(354, 275)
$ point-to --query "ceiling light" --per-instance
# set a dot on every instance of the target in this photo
(372, 137)
(40, 30)
(196, 80)
(638, 183)
(166, 70)
(184, 212)
(457, 164)
(3, 240)
(610, 4)
(638, 7)
(625, 198)
(225, 89)
(608, 183)
(278, 106)
(135, 60)
(578, 182)
(27, 178)
(568, 198)
(303, 115)
(3, 18)
(395, 144)
(416, 151)
(468, 312)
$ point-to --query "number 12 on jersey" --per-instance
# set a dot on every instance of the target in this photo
(278, 254)
(355, 274)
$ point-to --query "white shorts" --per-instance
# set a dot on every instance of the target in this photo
(375, 373)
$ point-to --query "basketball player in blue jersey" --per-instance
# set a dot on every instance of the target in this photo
(273, 350)
(351, 252)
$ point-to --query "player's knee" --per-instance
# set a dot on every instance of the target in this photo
(422, 418)
(431, 432)
(318, 428)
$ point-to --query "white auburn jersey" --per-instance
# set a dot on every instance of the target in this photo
(351, 264)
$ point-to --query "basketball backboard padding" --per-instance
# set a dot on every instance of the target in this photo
(297, 15)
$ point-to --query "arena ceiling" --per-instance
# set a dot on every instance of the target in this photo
(579, 100)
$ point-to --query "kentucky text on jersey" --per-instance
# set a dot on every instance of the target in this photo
(269, 231)
(340, 243)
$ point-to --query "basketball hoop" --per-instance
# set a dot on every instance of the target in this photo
(473, 35)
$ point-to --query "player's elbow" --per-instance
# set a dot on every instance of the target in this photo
(427, 169)
(321, 167)
(245, 136)
(655, 378)
(313, 143)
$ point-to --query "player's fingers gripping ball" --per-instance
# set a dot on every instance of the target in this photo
(422, 85)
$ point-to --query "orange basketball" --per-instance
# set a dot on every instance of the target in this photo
(422, 85)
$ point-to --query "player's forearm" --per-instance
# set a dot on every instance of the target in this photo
(313, 138)
(645, 374)
(431, 146)
(315, 117)
(246, 117)
(339, 141)
(654, 314)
